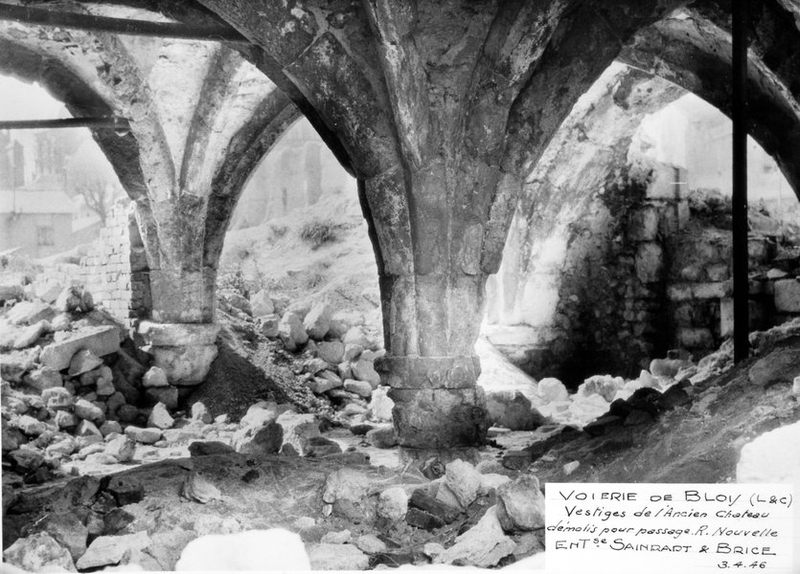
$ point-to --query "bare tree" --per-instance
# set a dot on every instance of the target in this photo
(91, 176)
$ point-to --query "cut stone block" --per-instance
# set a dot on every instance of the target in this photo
(101, 341)
(787, 296)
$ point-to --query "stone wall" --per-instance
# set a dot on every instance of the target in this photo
(115, 271)
(644, 269)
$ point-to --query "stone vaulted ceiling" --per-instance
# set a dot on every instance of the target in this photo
(442, 109)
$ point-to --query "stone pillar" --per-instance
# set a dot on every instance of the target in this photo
(434, 259)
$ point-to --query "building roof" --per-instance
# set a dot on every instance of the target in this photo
(41, 202)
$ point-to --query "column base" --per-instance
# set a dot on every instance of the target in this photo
(439, 418)
(184, 351)
(437, 401)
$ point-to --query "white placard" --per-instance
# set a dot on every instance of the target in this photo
(683, 528)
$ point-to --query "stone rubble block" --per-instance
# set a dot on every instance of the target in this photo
(261, 304)
(264, 440)
(268, 325)
(167, 395)
(39, 552)
(43, 378)
(101, 341)
(155, 377)
(605, 386)
(787, 296)
(121, 447)
(160, 417)
(29, 312)
(483, 545)
(87, 410)
(110, 550)
(332, 352)
(185, 365)
(382, 437)
(318, 321)
(364, 370)
(337, 557)
(393, 504)
(66, 420)
(380, 405)
(552, 390)
(17, 364)
(143, 435)
(291, 331)
(361, 388)
(298, 429)
(29, 335)
(87, 428)
(521, 504)
(513, 410)
(259, 415)
(463, 480)
(200, 413)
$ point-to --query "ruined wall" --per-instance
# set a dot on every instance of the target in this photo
(115, 271)
(646, 269)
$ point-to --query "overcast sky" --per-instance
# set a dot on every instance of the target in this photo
(21, 101)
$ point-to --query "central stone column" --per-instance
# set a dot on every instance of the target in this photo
(435, 253)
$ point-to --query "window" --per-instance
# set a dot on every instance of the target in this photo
(45, 236)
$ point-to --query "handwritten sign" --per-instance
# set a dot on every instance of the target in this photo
(682, 528)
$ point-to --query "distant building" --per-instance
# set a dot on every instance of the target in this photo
(37, 223)
(36, 214)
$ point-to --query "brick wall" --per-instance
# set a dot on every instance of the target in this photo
(115, 271)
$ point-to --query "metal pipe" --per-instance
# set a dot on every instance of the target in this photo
(741, 302)
(62, 19)
(94, 123)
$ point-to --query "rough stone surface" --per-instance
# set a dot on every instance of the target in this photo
(101, 341)
(521, 504)
(463, 480)
(483, 545)
(155, 377)
(39, 553)
(318, 321)
(780, 366)
(160, 417)
(337, 557)
(168, 395)
(331, 352)
(185, 365)
(263, 440)
(361, 388)
(261, 304)
(200, 413)
(552, 390)
(31, 334)
(29, 312)
(291, 331)
(88, 411)
(109, 550)
(512, 410)
(16, 364)
(364, 370)
(298, 430)
(382, 437)
(144, 435)
(787, 296)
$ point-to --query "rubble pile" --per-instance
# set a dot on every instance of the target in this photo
(358, 518)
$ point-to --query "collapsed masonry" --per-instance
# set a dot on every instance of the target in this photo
(441, 111)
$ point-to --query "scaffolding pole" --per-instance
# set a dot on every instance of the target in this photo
(38, 16)
(741, 290)
(115, 123)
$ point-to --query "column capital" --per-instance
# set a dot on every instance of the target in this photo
(413, 372)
